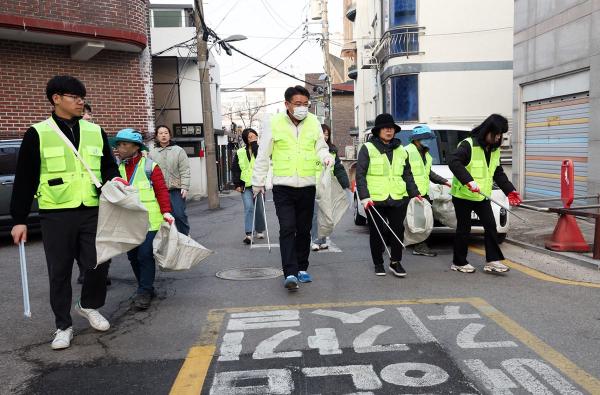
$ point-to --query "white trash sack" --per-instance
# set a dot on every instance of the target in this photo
(442, 206)
(332, 202)
(419, 221)
(122, 221)
(176, 251)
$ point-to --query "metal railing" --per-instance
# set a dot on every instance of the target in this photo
(402, 41)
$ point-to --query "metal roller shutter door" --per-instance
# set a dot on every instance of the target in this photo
(556, 129)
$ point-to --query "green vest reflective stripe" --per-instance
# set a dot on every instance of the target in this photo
(482, 173)
(147, 196)
(245, 165)
(384, 179)
(420, 170)
(320, 167)
(58, 162)
(293, 155)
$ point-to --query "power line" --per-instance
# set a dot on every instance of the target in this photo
(253, 108)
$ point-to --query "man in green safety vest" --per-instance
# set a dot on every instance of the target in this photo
(385, 185)
(420, 165)
(293, 140)
(49, 170)
(146, 176)
(476, 167)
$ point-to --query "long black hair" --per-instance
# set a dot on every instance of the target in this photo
(495, 124)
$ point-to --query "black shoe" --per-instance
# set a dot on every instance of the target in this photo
(423, 249)
(379, 270)
(80, 278)
(142, 301)
(247, 240)
(397, 269)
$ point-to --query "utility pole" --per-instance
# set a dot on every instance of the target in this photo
(325, 26)
(207, 116)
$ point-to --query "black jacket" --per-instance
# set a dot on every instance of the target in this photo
(236, 171)
(362, 166)
(27, 175)
(462, 156)
(338, 169)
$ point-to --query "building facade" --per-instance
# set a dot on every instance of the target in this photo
(104, 44)
(557, 95)
(431, 61)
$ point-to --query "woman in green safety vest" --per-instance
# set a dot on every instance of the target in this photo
(385, 185)
(340, 173)
(420, 165)
(476, 167)
(241, 172)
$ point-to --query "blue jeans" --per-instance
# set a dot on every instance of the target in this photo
(143, 265)
(248, 200)
(178, 211)
(314, 231)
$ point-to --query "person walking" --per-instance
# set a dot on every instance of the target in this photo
(48, 169)
(293, 140)
(145, 176)
(476, 166)
(241, 174)
(175, 166)
(340, 173)
(420, 165)
(385, 185)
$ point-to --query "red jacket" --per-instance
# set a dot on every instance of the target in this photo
(158, 183)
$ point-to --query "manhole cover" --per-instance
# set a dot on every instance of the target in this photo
(249, 273)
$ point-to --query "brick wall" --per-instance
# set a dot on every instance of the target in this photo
(118, 86)
(117, 14)
(343, 120)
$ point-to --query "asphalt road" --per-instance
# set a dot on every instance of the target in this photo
(436, 331)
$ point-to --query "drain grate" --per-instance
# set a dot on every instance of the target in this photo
(249, 273)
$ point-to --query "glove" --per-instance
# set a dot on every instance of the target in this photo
(473, 187)
(184, 193)
(169, 218)
(419, 198)
(514, 199)
(121, 180)
(368, 204)
(257, 189)
(447, 183)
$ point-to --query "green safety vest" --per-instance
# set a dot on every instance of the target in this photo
(144, 187)
(482, 173)
(384, 179)
(320, 167)
(58, 162)
(293, 155)
(420, 170)
(245, 165)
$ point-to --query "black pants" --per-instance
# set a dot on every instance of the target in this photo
(294, 207)
(395, 217)
(68, 235)
(483, 209)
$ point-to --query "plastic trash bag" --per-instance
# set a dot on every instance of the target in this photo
(332, 201)
(442, 206)
(175, 251)
(418, 223)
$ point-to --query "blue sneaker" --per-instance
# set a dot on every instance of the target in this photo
(291, 283)
(304, 277)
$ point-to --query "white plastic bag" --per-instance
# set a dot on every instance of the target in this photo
(176, 251)
(418, 223)
(332, 203)
(442, 206)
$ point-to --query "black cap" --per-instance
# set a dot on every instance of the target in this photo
(384, 121)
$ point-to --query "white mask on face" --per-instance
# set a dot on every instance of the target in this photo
(300, 112)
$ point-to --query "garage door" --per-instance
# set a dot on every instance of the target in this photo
(556, 129)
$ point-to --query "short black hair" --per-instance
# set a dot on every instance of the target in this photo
(295, 90)
(87, 107)
(61, 84)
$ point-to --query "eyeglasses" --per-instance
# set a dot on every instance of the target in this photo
(298, 104)
(74, 97)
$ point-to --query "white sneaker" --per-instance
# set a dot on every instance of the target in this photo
(495, 266)
(62, 338)
(260, 235)
(97, 321)
(323, 246)
(314, 247)
(463, 269)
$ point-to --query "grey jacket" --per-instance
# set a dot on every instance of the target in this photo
(173, 162)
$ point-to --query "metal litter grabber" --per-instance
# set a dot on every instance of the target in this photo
(380, 235)
(264, 219)
(388, 226)
(24, 283)
(491, 199)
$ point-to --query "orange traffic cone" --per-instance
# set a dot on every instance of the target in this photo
(567, 236)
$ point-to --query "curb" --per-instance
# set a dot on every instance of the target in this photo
(572, 257)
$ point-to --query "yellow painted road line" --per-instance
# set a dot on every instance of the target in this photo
(536, 274)
(190, 379)
(578, 375)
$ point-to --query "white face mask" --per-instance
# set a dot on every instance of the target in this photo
(300, 112)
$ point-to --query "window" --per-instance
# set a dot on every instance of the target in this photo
(402, 12)
(8, 160)
(167, 18)
(401, 97)
(446, 143)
